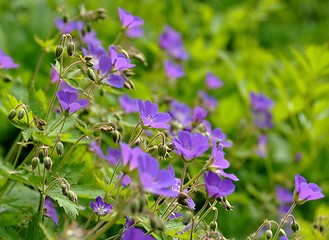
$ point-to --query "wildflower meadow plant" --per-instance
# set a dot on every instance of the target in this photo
(130, 128)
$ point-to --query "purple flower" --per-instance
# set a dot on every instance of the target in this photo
(112, 66)
(181, 113)
(261, 106)
(6, 61)
(133, 233)
(50, 210)
(68, 98)
(173, 71)
(285, 199)
(153, 179)
(54, 75)
(199, 114)
(100, 207)
(217, 187)
(150, 116)
(284, 238)
(261, 147)
(130, 155)
(212, 81)
(189, 145)
(112, 156)
(126, 180)
(171, 41)
(177, 186)
(216, 134)
(306, 191)
(129, 105)
(68, 26)
(132, 24)
(208, 101)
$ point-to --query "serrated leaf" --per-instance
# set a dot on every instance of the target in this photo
(89, 192)
(27, 133)
(38, 102)
(46, 45)
(70, 208)
(72, 81)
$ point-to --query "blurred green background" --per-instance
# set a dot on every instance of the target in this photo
(276, 47)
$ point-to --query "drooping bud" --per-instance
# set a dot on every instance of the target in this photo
(129, 84)
(59, 51)
(65, 189)
(47, 162)
(59, 148)
(101, 92)
(11, 114)
(182, 199)
(294, 227)
(134, 206)
(162, 150)
(70, 48)
(65, 19)
(20, 114)
(72, 196)
(156, 223)
(187, 217)
(88, 58)
(91, 75)
(90, 64)
(268, 234)
(116, 136)
(35, 162)
(213, 226)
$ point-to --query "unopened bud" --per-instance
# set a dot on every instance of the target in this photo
(60, 148)
(90, 64)
(182, 199)
(41, 124)
(11, 114)
(70, 48)
(294, 227)
(65, 189)
(59, 51)
(156, 223)
(213, 226)
(162, 150)
(88, 57)
(20, 114)
(35, 162)
(268, 234)
(134, 206)
(72, 196)
(116, 136)
(187, 217)
(65, 19)
(91, 75)
(47, 162)
(129, 84)
(101, 92)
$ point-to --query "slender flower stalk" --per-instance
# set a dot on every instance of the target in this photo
(284, 220)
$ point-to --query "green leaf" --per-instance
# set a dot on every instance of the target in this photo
(70, 207)
(38, 102)
(46, 45)
(9, 233)
(33, 229)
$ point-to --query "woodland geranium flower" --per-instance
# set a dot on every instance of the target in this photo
(208, 101)
(153, 179)
(306, 191)
(112, 155)
(132, 24)
(150, 116)
(285, 199)
(100, 207)
(214, 134)
(199, 114)
(130, 155)
(129, 105)
(6, 61)
(172, 70)
(68, 98)
(217, 187)
(190, 145)
(133, 233)
(112, 66)
(181, 113)
(261, 147)
(171, 41)
(50, 210)
(212, 81)
(54, 75)
(261, 106)
(67, 27)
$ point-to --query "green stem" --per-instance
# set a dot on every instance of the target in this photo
(105, 227)
(183, 175)
(52, 99)
(284, 220)
(89, 220)
(206, 213)
(192, 180)
(69, 68)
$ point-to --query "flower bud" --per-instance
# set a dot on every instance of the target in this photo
(90, 64)
(65, 19)
(47, 162)
(116, 136)
(59, 148)
(59, 51)
(162, 150)
(134, 206)
(101, 92)
(294, 227)
(11, 114)
(20, 114)
(72, 196)
(91, 75)
(182, 199)
(88, 58)
(35, 162)
(65, 189)
(157, 223)
(7, 78)
(129, 84)
(41, 124)
(213, 226)
(70, 48)
(268, 234)
(187, 217)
